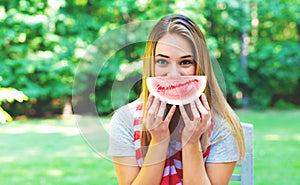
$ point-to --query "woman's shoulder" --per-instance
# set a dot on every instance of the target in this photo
(222, 142)
(129, 108)
(122, 131)
(126, 113)
(221, 127)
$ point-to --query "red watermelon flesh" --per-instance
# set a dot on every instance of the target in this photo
(179, 90)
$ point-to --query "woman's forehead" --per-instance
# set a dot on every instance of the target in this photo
(173, 45)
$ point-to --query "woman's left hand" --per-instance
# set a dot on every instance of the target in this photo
(199, 121)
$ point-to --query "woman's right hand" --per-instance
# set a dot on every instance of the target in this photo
(155, 123)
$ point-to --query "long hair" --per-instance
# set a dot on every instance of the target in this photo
(183, 26)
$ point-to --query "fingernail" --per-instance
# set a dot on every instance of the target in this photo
(150, 96)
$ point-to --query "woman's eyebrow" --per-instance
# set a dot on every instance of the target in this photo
(187, 56)
(165, 56)
(161, 55)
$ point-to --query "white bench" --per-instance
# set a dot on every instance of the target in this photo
(246, 167)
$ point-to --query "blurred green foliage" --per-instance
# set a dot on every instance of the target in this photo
(9, 95)
(46, 44)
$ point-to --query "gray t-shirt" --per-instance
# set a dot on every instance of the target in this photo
(223, 145)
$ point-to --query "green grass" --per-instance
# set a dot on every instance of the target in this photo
(50, 152)
(276, 146)
(53, 152)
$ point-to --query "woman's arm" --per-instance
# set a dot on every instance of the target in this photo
(126, 169)
(153, 166)
(151, 173)
(220, 173)
(196, 124)
(195, 172)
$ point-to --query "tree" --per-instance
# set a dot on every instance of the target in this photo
(273, 55)
(43, 44)
(9, 95)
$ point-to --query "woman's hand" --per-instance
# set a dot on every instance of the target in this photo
(199, 121)
(154, 121)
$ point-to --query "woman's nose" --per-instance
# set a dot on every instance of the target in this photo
(174, 70)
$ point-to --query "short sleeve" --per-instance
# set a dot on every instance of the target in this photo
(223, 145)
(121, 132)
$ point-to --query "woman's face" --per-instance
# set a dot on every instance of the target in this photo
(174, 56)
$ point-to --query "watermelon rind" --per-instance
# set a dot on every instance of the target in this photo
(153, 82)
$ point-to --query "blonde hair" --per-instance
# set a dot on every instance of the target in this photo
(183, 26)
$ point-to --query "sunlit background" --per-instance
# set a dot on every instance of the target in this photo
(48, 44)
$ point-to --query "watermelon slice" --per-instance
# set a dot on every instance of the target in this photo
(179, 90)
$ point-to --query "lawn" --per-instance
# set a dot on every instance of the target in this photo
(276, 146)
(57, 152)
(50, 152)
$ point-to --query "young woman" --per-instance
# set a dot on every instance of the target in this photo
(153, 142)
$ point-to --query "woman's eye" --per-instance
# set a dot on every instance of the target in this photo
(186, 62)
(161, 61)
